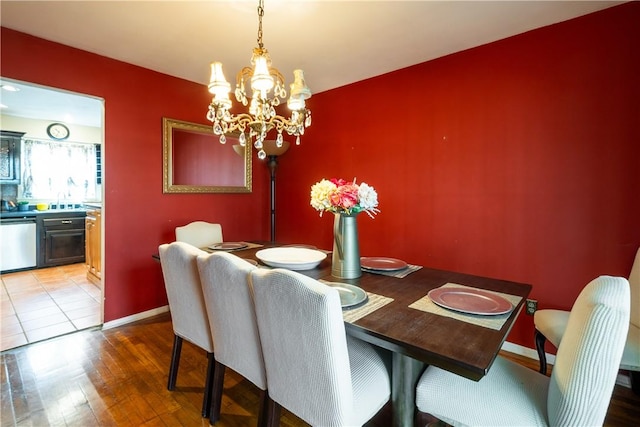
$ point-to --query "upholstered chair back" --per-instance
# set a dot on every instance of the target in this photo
(200, 234)
(634, 283)
(232, 316)
(589, 354)
(304, 346)
(184, 292)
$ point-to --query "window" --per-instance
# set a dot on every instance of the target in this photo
(63, 170)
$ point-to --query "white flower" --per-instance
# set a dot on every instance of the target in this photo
(320, 195)
(368, 198)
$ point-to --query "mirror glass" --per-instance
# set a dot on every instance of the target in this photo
(194, 160)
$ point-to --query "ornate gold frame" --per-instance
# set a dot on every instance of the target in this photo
(168, 186)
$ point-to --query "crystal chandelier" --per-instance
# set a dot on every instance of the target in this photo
(262, 117)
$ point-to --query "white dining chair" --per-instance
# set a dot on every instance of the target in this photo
(200, 234)
(579, 390)
(314, 369)
(551, 324)
(188, 311)
(232, 318)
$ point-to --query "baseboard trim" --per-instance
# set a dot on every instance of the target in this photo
(622, 379)
(526, 352)
(135, 317)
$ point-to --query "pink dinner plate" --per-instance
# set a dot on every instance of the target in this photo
(229, 246)
(382, 263)
(472, 301)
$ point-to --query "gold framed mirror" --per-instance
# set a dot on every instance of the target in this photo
(194, 161)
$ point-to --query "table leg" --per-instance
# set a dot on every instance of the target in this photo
(405, 372)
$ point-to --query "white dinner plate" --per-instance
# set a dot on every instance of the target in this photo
(350, 295)
(300, 246)
(382, 263)
(291, 258)
(472, 301)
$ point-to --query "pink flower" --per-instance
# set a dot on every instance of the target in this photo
(338, 181)
(345, 196)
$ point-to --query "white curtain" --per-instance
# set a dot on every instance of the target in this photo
(62, 170)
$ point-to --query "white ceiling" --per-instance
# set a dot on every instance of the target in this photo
(39, 102)
(335, 42)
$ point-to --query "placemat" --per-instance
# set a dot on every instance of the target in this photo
(249, 246)
(375, 302)
(396, 273)
(491, 322)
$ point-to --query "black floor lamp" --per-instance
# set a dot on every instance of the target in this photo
(273, 152)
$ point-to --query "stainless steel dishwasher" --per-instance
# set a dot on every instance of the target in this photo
(17, 243)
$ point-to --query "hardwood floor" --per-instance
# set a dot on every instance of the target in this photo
(118, 377)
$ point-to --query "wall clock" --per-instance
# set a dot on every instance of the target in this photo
(58, 131)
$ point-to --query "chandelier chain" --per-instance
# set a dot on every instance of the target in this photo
(260, 15)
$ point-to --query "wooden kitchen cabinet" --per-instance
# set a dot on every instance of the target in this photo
(93, 256)
(10, 156)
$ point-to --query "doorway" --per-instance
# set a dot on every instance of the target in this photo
(45, 302)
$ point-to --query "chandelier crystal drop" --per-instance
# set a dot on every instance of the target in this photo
(261, 117)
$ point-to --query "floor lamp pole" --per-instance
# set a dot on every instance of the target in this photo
(274, 150)
(273, 165)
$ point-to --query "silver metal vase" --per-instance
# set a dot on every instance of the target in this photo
(346, 250)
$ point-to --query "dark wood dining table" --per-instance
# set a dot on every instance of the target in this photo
(417, 338)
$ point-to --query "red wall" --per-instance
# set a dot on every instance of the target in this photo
(191, 162)
(138, 216)
(517, 160)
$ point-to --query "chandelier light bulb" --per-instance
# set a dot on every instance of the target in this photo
(261, 81)
(295, 103)
(299, 88)
(218, 85)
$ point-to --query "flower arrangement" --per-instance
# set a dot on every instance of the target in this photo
(340, 196)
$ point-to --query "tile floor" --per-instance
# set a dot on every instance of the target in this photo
(47, 302)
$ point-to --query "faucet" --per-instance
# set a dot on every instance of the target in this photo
(63, 197)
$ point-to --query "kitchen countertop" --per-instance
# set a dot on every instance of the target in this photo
(48, 213)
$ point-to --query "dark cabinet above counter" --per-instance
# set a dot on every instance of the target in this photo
(10, 156)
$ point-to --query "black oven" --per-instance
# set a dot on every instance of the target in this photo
(63, 241)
